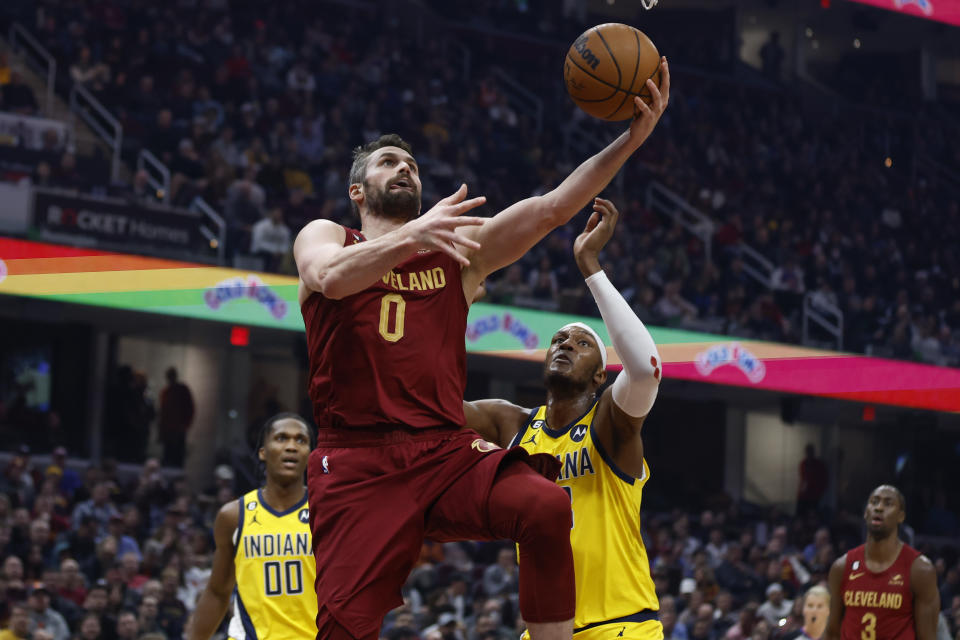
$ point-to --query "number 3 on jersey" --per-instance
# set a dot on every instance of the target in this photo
(386, 304)
(869, 632)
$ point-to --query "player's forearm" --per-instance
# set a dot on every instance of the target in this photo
(636, 387)
(208, 615)
(589, 179)
(358, 266)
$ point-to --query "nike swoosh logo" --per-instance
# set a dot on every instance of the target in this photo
(854, 576)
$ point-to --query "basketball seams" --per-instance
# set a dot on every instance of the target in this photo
(614, 58)
(636, 68)
(593, 77)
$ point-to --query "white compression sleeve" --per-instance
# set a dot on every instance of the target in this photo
(636, 387)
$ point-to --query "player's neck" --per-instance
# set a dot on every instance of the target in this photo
(281, 496)
(562, 409)
(373, 225)
(882, 550)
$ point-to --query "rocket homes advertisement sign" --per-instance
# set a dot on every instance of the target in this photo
(184, 289)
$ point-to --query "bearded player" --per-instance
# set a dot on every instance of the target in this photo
(385, 309)
(264, 556)
(884, 589)
(597, 439)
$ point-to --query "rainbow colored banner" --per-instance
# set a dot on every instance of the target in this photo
(185, 289)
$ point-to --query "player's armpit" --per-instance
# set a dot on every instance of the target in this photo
(215, 599)
(835, 584)
(497, 421)
(926, 598)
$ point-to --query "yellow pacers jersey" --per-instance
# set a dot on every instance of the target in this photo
(275, 597)
(612, 570)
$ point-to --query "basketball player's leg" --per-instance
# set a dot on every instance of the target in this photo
(367, 533)
(503, 497)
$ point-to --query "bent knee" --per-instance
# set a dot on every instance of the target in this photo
(549, 513)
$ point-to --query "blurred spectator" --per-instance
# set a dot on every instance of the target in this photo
(776, 607)
(43, 617)
(501, 577)
(176, 416)
(772, 56)
(99, 508)
(270, 239)
(813, 481)
(92, 75)
(19, 625)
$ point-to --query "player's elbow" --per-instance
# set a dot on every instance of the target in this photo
(326, 281)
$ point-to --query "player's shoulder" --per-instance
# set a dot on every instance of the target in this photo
(228, 517)
(922, 565)
(840, 563)
(322, 230)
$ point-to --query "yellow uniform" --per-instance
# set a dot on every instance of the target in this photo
(274, 598)
(615, 593)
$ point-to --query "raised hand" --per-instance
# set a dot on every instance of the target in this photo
(599, 230)
(647, 115)
(436, 229)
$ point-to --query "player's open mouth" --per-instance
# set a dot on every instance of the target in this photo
(290, 462)
(876, 520)
(401, 184)
(562, 358)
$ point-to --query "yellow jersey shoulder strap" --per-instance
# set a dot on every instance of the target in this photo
(535, 414)
(242, 503)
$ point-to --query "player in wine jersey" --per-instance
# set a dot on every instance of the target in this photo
(385, 310)
(884, 589)
(598, 443)
(264, 556)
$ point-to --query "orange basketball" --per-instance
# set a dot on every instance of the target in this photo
(607, 66)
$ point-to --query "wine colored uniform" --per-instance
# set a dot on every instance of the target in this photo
(878, 606)
(392, 464)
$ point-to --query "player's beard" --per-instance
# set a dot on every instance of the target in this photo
(395, 205)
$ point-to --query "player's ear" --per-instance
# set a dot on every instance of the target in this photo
(600, 376)
(261, 455)
(355, 191)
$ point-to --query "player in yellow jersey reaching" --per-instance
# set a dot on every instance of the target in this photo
(597, 440)
(264, 556)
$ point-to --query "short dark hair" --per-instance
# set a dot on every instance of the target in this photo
(358, 170)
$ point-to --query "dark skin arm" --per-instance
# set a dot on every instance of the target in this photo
(834, 583)
(926, 598)
(215, 598)
(619, 433)
(497, 421)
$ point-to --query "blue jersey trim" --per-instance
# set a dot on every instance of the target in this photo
(643, 616)
(279, 514)
(245, 618)
(558, 434)
(517, 439)
(236, 550)
(617, 471)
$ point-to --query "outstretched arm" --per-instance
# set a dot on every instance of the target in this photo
(335, 271)
(624, 406)
(513, 231)
(835, 583)
(498, 421)
(926, 598)
(215, 599)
